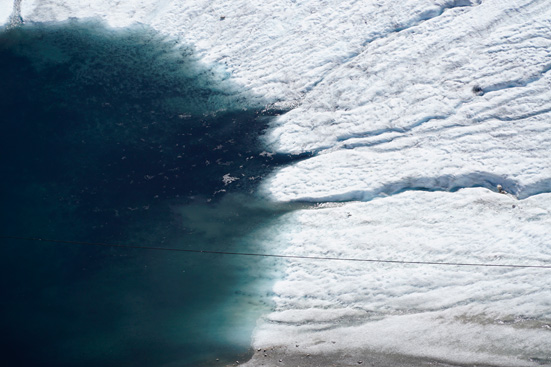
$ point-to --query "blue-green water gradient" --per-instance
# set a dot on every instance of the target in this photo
(123, 136)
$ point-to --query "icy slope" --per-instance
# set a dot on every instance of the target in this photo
(460, 315)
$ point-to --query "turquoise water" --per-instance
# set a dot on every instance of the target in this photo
(122, 136)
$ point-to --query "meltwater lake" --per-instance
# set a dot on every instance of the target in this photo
(121, 136)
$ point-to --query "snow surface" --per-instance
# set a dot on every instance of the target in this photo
(417, 109)
(460, 314)
(6, 9)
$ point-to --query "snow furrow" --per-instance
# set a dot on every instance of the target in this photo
(447, 183)
(414, 22)
(519, 117)
(517, 83)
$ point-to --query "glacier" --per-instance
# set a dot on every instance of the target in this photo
(414, 112)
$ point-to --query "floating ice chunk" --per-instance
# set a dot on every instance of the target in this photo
(228, 179)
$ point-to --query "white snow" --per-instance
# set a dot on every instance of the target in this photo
(115, 13)
(392, 86)
(279, 49)
(6, 9)
(460, 314)
(391, 96)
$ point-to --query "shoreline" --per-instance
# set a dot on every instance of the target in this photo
(282, 356)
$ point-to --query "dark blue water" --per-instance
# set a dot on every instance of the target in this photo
(122, 136)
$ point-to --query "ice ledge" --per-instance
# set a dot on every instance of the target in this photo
(450, 183)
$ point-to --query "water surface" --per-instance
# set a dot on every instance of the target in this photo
(123, 136)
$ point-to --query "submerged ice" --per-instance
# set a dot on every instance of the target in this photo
(413, 112)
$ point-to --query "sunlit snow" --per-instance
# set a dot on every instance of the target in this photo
(414, 111)
(462, 314)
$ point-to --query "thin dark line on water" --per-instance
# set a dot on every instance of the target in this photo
(37, 239)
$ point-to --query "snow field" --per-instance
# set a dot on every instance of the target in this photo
(458, 314)
(5, 12)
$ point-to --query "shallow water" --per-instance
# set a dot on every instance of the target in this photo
(122, 136)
